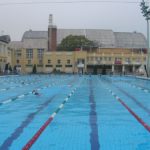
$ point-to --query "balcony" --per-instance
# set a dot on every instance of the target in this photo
(100, 62)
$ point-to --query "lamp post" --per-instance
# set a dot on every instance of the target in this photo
(146, 13)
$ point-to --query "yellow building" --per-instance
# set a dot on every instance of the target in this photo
(117, 52)
(97, 61)
(5, 53)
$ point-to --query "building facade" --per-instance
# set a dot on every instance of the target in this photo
(100, 61)
(5, 52)
(117, 52)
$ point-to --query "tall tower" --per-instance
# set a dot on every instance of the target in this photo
(52, 35)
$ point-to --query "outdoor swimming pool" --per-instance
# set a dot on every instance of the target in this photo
(74, 113)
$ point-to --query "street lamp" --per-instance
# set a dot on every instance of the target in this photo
(146, 13)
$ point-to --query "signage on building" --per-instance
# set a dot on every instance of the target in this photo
(80, 65)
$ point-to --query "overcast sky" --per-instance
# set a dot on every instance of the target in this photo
(120, 17)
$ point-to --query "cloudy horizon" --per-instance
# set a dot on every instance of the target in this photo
(114, 15)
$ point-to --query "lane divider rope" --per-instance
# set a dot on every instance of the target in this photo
(18, 131)
(147, 110)
(43, 127)
(140, 104)
(145, 125)
(16, 86)
(146, 90)
(4, 89)
(23, 95)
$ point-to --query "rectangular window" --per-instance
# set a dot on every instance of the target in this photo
(49, 61)
(29, 62)
(68, 61)
(48, 65)
(58, 61)
(18, 53)
(40, 62)
(29, 53)
(138, 60)
(40, 53)
(105, 58)
(118, 60)
(17, 61)
(68, 65)
(96, 58)
(128, 60)
(80, 61)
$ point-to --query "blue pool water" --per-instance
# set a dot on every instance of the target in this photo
(74, 113)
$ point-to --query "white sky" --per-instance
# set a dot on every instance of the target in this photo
(120, 17)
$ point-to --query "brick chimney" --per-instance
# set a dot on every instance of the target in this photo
(52, 35)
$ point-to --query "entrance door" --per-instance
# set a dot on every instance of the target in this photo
(94, 70)
(104, 70)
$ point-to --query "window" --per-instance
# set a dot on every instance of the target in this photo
(92, 58)
(96, 58)
(68, 61)
(17, 61)
(138, 60)
(58, 61)
(81, 61)
(105, 58)
(101, 58)
(29, 53)
(29, 62)
(40, 61)
(118, 60)
(40, 53)
(128, 60)
(18, 53)
(49, 61)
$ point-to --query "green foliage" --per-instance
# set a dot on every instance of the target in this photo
(70, 43)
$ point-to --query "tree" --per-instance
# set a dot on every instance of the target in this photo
(70, 43)
(34, 69)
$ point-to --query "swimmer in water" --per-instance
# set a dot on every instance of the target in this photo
(35, 92)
